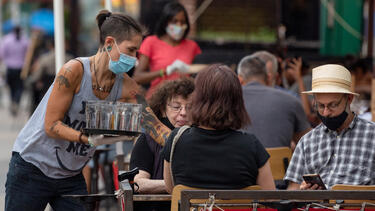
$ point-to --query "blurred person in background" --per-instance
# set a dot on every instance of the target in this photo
(360, 69)
(361, 75)
(272, 68)
(43, 72)
(296, 78)
(268, 107)
(13, 49)
(166, 55)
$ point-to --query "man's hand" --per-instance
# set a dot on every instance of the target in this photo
(308, 186)
(295, 68)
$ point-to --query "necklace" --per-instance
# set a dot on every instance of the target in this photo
(100, 88)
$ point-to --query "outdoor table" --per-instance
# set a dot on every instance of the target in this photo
(277, 198)
(150, 201)
(152, 197)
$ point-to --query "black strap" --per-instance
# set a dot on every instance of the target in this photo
(78, 60)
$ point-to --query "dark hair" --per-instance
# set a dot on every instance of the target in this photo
(169, 11)
(168, 90)
(363, 63)
(217, 100)
(17, 31)
(120, 26)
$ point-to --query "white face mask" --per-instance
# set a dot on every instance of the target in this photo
(176, 31)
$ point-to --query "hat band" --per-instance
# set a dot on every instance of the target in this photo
(331, 82)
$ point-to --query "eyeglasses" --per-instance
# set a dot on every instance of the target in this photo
(331, 106)
(177, 108)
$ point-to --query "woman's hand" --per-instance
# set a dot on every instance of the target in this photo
(177, 66)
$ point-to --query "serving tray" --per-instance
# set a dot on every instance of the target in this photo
(92, 131)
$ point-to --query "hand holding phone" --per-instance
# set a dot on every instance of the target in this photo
(314, 179)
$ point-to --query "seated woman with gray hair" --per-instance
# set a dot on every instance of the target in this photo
(170, 103)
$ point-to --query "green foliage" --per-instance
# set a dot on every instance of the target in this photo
(263, 35)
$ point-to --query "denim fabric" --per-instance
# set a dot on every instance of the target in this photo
(15, 84)
(27, 188)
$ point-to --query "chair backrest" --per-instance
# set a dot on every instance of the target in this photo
(353, 187)
(279, 160)
(176, 196)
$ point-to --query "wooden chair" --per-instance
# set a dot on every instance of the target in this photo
(176, 196)
(279, 160)
(353, 187)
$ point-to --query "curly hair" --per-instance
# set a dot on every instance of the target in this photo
(168, 90)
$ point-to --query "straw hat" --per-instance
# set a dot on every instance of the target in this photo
(331, 78)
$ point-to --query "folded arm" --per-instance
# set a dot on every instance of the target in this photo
(147, 185)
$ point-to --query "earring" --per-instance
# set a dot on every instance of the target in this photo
(109, 48)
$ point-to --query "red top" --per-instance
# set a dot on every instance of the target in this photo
(162, 54)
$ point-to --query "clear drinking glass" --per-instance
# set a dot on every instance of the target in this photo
(117, 115)
(126, 117)
(136, 118)
(92, 114)
(106, 115)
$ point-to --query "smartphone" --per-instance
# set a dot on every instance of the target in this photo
(314, 179)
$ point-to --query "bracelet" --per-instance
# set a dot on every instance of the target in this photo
(80, 138)
(161, 73)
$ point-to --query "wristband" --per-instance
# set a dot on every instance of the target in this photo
(161, 73)
(80, 138)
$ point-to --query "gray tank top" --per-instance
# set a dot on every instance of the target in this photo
(58, 158)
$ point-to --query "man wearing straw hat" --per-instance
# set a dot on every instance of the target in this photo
(342, 148)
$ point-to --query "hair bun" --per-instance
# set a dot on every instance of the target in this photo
(108, 14)
(102, 16)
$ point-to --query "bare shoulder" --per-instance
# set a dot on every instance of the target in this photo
(73, 67)
(70, 74)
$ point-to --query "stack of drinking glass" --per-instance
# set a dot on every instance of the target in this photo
(113, 116)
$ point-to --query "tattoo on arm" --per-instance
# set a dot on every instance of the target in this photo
(62, 80)
(157, 130)
(56, 130)
(53, 126)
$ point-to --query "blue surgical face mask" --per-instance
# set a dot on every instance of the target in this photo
(123, 64)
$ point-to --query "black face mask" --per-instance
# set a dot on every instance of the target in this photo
(333, 123)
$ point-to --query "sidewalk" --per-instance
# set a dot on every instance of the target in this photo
(9, 129)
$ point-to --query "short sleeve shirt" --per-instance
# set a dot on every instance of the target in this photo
(146, 156)
(161, 54)
(216, 159)
(267, 108)
(345, 158)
